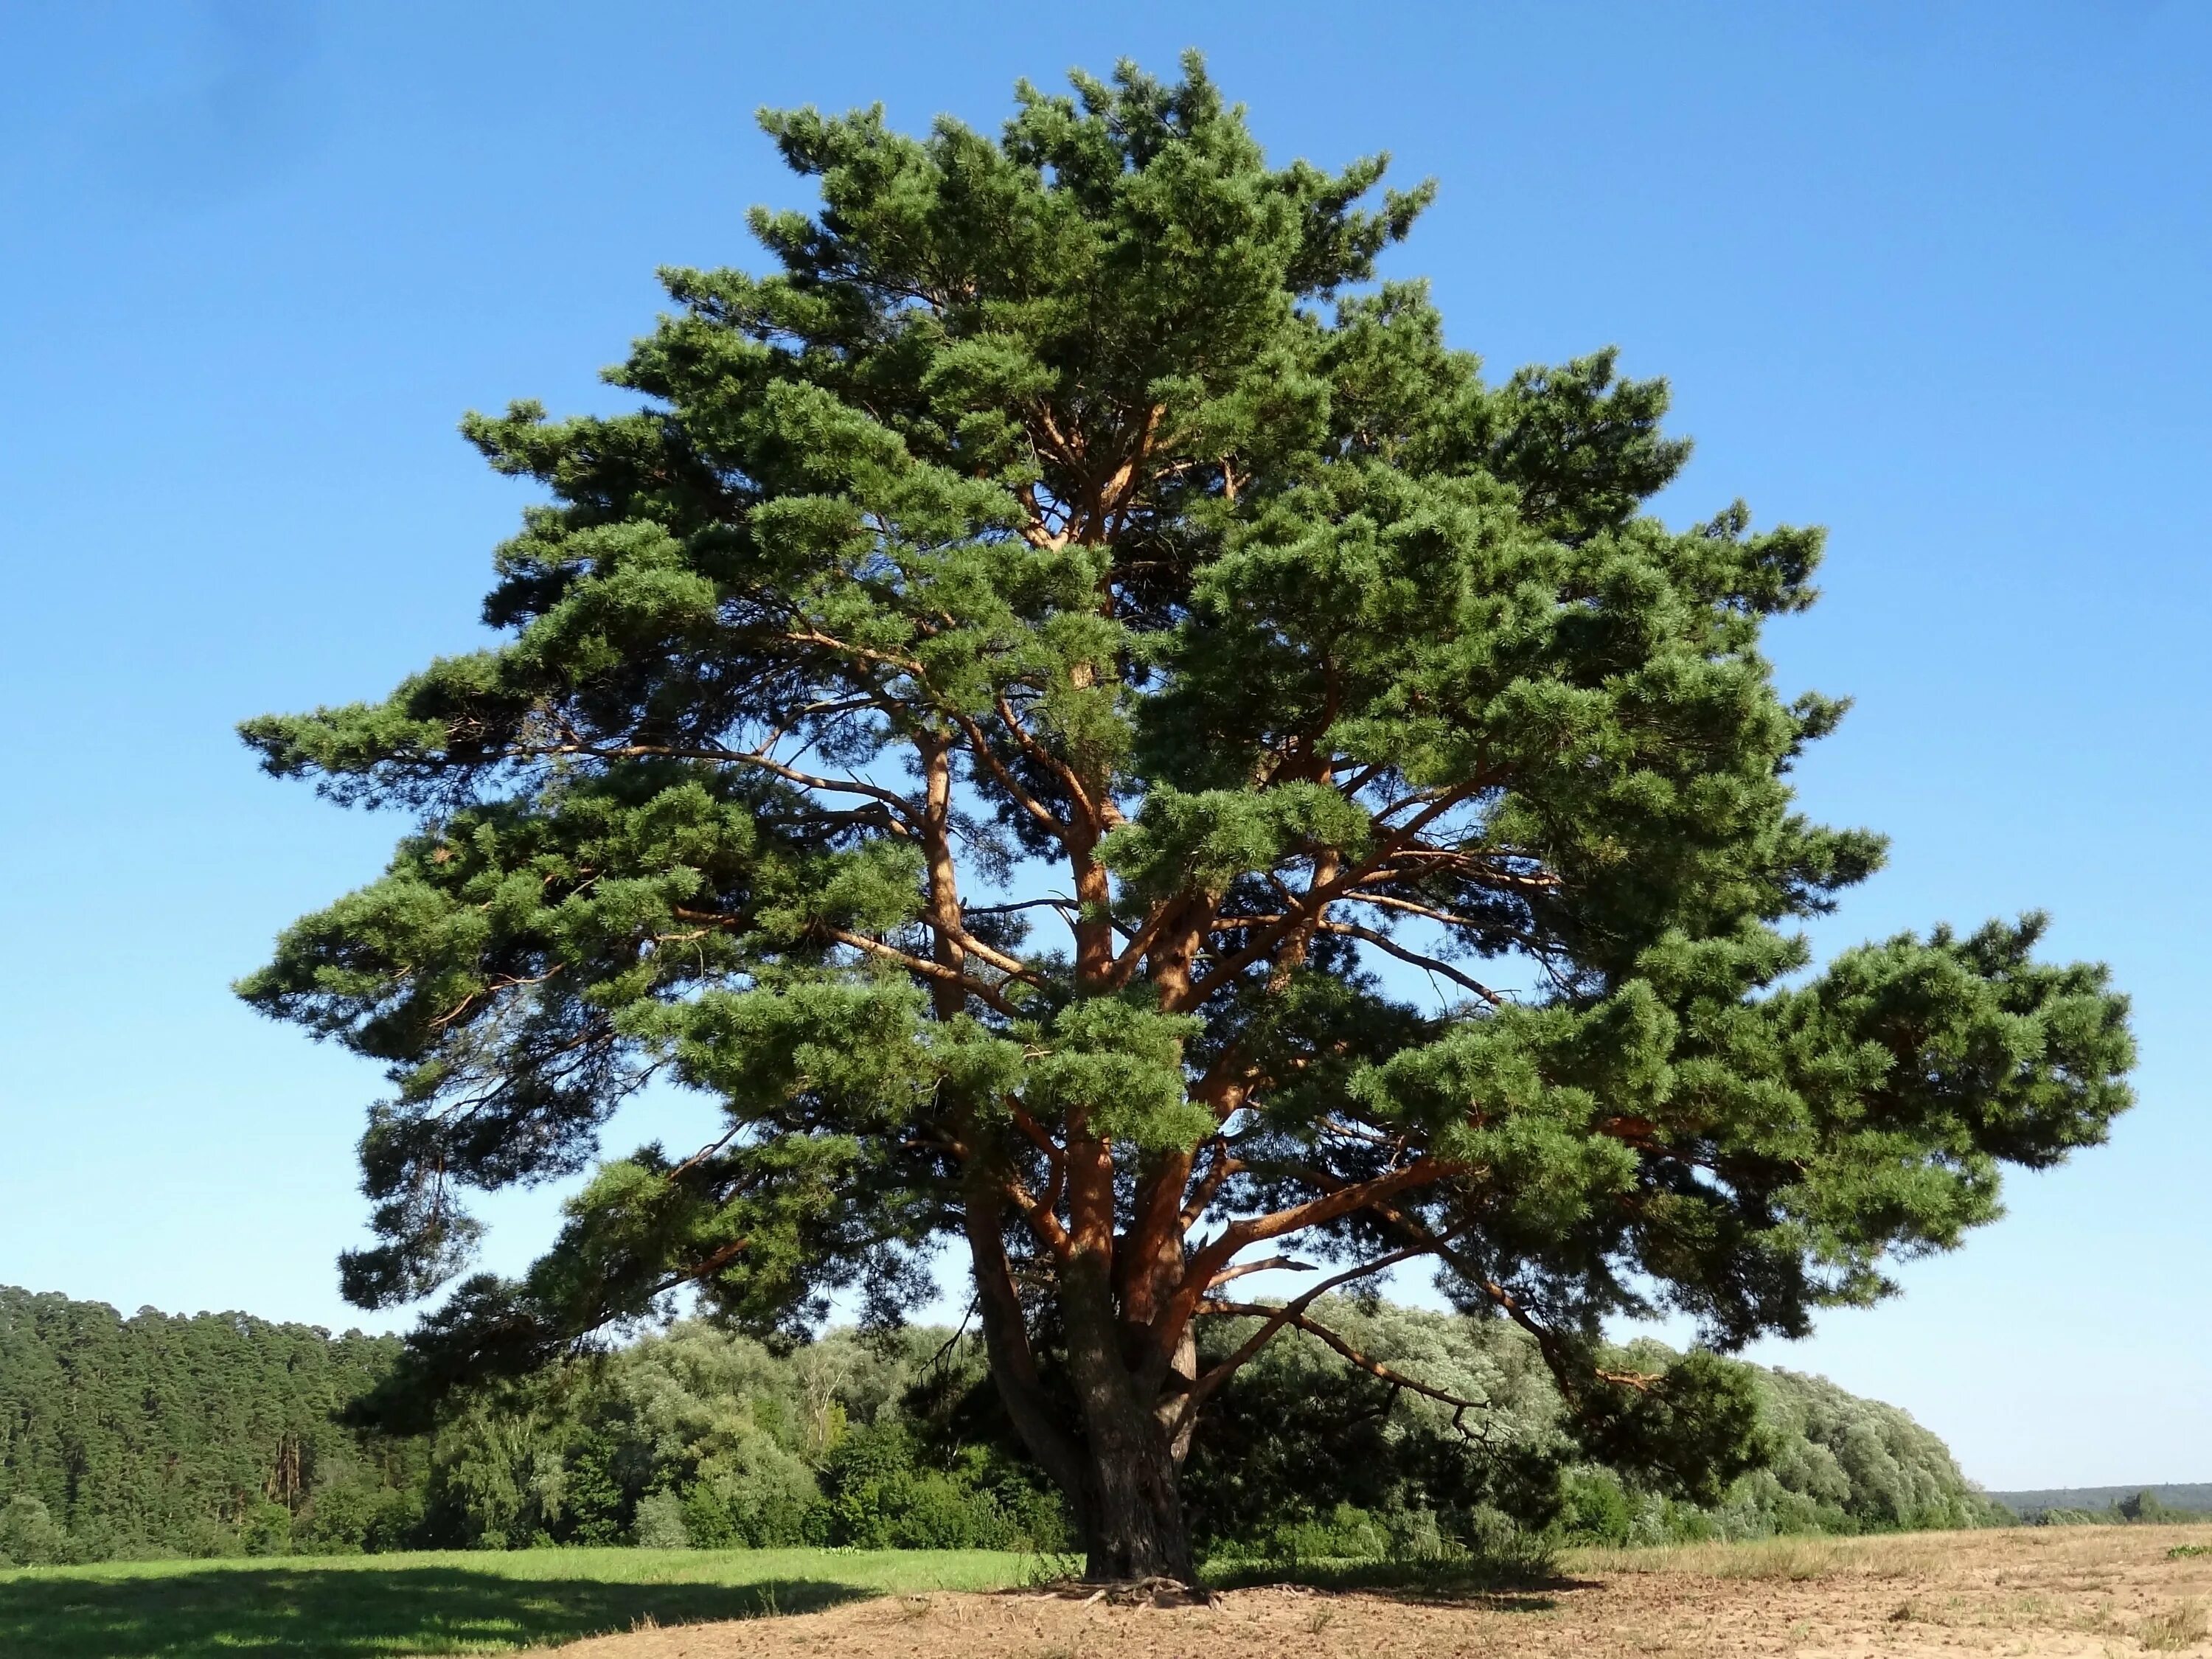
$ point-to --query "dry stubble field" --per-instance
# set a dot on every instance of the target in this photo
(2042, 1593)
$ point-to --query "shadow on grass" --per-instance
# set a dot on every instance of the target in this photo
(305, 1613)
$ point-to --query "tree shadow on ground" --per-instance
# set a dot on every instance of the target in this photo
(1490, 1601)
(1528, 1589)
(307, 1613)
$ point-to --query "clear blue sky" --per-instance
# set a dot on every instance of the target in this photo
(1933, 276)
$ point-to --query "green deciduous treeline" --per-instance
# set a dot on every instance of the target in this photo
(219, 1434)
(2137, 1508)
(1311, 1457)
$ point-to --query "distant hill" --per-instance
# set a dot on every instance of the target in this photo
(2028, 1504)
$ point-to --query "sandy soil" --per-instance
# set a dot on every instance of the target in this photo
(2041, 1594)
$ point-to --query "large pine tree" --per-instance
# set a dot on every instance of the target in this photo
(1091, 734)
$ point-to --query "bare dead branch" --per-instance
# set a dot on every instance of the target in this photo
(1384, 942)
(1265, 1264)
(1461, 1405)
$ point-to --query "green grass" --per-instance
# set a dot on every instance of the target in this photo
(353, 1606)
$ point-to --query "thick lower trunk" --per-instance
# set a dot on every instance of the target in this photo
(1116, 1466)
(1121, 1483)
(1134, 1525)
(1132, 1510)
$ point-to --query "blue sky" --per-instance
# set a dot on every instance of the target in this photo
(1933, 276)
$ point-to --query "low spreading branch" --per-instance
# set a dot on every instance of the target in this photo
(1273, 1320)
(1461, 1405)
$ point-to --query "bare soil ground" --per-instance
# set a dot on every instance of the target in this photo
(2089, 1591)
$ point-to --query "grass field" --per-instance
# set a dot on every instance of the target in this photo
(304, 1608)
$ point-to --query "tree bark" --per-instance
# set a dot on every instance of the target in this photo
(1119, 1472)
(1132, 1510)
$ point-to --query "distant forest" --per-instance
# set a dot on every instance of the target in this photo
(2068, 1502)
(222, 1434)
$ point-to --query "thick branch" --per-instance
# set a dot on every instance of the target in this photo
(1221, 1169)
(1006, 1335)
(1275, 1318)
(1166, 1328)
(1042, 1213)
(1265, 1264)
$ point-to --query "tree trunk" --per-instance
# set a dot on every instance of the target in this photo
(1133, 1523)
(1119, 1473)
(1132, 1510)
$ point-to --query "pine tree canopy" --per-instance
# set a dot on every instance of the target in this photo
(1092, 733)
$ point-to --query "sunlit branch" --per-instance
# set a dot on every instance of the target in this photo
(1056, 901)
(1211, 1258)
(988, 994)
(1218, 1172)
(1265, 1264)
(1012, 967)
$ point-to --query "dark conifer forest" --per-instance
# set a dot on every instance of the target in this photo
(195, 1436)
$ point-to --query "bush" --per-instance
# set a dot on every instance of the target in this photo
(29, 1537)
(877, 1495)
(1298, 1435)
(1594, 1508)
(265, 1529)
(708, 1523)
(661, 1522)
(346, 1516)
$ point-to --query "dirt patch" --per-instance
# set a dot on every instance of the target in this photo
(2044, 1593)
